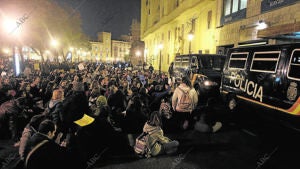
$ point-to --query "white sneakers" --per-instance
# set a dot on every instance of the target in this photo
(216, 127)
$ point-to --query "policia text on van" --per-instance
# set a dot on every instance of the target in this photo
(267, 78)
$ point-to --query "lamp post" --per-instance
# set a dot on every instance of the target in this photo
(6, 51)
(11, 30)
(138, 54)
(160, 46)
(190, 38)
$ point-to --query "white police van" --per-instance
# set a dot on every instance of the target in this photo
(266, 79)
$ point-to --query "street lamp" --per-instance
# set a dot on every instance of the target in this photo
(54, 43)
(138, 54)
(11, 28)
(160, 46)
(190, 38)
(6, 51)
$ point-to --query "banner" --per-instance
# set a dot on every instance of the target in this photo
(267, 5)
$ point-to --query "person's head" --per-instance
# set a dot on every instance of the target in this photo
(143, 90)
(36, 120)
(155, 119)
(37, 80)
(76, 78)
(57, 94)
(186, 81)
(113, 88)
(134, 89)
(27, 87)
(48, 128)
(101, 101)
(63, 83)
(78, 86)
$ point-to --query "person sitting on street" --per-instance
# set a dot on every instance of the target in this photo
(158, 143)
(45, 153)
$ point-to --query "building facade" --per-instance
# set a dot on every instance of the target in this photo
(101, 49)
(246, 22)
(120, 50)
(176, 27)
(107, 50)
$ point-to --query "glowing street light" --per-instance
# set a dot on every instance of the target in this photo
(138, 53)
(9, 25)
(54, 43)
(261, 25)
(190, 38)
(6, 51)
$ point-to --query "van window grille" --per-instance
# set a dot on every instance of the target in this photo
(238, 60)
(265, 61)
(294, 67)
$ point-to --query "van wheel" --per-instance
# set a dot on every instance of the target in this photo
(232, 104)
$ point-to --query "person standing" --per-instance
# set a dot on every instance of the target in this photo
(171, 71)
(151, 69)
(184, 101)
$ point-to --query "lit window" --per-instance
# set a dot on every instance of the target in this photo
(232, 6)
(235, 6)
(227, 7)
(243, 4)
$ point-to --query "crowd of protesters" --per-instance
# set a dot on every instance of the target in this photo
(78, 111)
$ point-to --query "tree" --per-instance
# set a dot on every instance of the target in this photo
(39, 21)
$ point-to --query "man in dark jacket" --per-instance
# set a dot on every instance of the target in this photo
(45, 153)
(117, 102)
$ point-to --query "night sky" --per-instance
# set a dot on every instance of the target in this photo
(106, 15)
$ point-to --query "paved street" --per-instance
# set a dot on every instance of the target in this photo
(249, 144)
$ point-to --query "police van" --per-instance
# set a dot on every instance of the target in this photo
(204, 71)
(266, 79)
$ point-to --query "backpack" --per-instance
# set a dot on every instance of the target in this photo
(184, 104)
(141, 148)
(165, 109)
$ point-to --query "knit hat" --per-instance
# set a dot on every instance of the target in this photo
(101, 101)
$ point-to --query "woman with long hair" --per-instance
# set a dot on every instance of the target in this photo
(157, 142)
